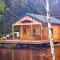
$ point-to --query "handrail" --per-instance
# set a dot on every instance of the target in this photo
(24, 41)
(27, 41)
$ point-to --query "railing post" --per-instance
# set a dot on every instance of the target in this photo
(13, 32)
(31, 32)
(41, 32)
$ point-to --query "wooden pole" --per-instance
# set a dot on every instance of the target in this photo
(13, 32)
(50, 32)
(21, 32)
(41, 31)
(31, 31)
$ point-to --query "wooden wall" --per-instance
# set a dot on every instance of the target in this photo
(45, 33)
(29, 32)
(56, 32)
(28, 35)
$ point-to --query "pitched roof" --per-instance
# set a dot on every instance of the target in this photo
(43, 18)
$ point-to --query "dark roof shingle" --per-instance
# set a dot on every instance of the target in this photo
(43, 18)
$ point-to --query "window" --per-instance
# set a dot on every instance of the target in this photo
(16, 29)
(34, 31)
(24, 30)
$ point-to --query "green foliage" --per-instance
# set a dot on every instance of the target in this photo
(1, 28)
(8, 29)
(1, 17)
(1, 7)
(1, 10)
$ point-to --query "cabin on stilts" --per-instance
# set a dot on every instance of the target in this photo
(31, 45)
(34, 27)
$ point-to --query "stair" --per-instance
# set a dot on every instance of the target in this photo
(36, 37)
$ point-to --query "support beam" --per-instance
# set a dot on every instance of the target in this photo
(21, 32)
(31, 31)
(26, 24)
(41, 32)
(13, 32)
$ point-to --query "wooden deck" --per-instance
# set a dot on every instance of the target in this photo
(27, 41)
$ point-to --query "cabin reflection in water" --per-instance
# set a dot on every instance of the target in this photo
(21, 54)
(28, 54)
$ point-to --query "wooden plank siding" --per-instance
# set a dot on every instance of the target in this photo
(56, 32)
(30, 36)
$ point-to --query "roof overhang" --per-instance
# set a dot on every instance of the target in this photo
(26, 18)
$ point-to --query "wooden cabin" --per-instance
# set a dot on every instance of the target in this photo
(32, 27)
(35, 27)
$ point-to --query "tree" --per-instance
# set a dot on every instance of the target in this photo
(1, 15)
(1, 7)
